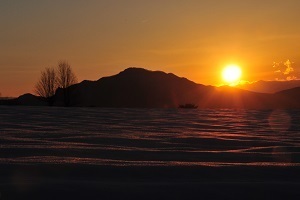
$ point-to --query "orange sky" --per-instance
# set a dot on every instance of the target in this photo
(190, 38)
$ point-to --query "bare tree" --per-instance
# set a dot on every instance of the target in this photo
(65, 78)
(47, 85)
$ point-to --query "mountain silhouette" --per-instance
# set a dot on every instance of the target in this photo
(137, 87)
(141, 88)
(25, 100)
(134, 87)
(270, 86)
(290, 97)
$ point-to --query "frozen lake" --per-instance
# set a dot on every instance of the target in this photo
(149, 137)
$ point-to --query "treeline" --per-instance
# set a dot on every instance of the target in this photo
(53, 78)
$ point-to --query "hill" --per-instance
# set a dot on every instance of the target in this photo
(290, 97)
(30, 100)
(24, 100)
(270, 86)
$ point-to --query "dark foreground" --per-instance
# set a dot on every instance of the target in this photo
(107, 182)
(89, 153)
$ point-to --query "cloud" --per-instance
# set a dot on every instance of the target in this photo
(289, 67)
(285, 71)
(289, 78)
(245, 82)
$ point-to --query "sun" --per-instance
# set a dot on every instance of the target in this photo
(232, 74)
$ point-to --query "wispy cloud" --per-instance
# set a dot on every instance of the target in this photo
(278, 71)
(245, 82)
(289, 69)
(285, 71)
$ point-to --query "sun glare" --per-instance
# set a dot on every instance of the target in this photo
(232, 74)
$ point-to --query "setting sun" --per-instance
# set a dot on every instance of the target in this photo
(232, 74)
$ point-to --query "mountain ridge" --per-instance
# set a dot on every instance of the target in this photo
(270, 86)
(141, 88)
(136, 87)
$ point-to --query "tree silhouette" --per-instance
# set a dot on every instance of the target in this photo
(65, 78)
(52, 79)
(47, 85)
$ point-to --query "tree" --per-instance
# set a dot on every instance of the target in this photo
(52, 79)
(47, 85)
(65, 78)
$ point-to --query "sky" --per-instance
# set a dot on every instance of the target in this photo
(191, 38)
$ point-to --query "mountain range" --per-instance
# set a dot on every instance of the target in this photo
(141, 88)
(270, 86)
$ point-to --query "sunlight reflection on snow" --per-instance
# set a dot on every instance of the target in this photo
(149, 137)
(279, 121)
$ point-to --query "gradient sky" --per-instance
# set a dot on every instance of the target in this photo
(190, 38)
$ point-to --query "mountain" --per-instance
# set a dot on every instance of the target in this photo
(290, 97)
(141, 88)
(270, 86)
(136, 87)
